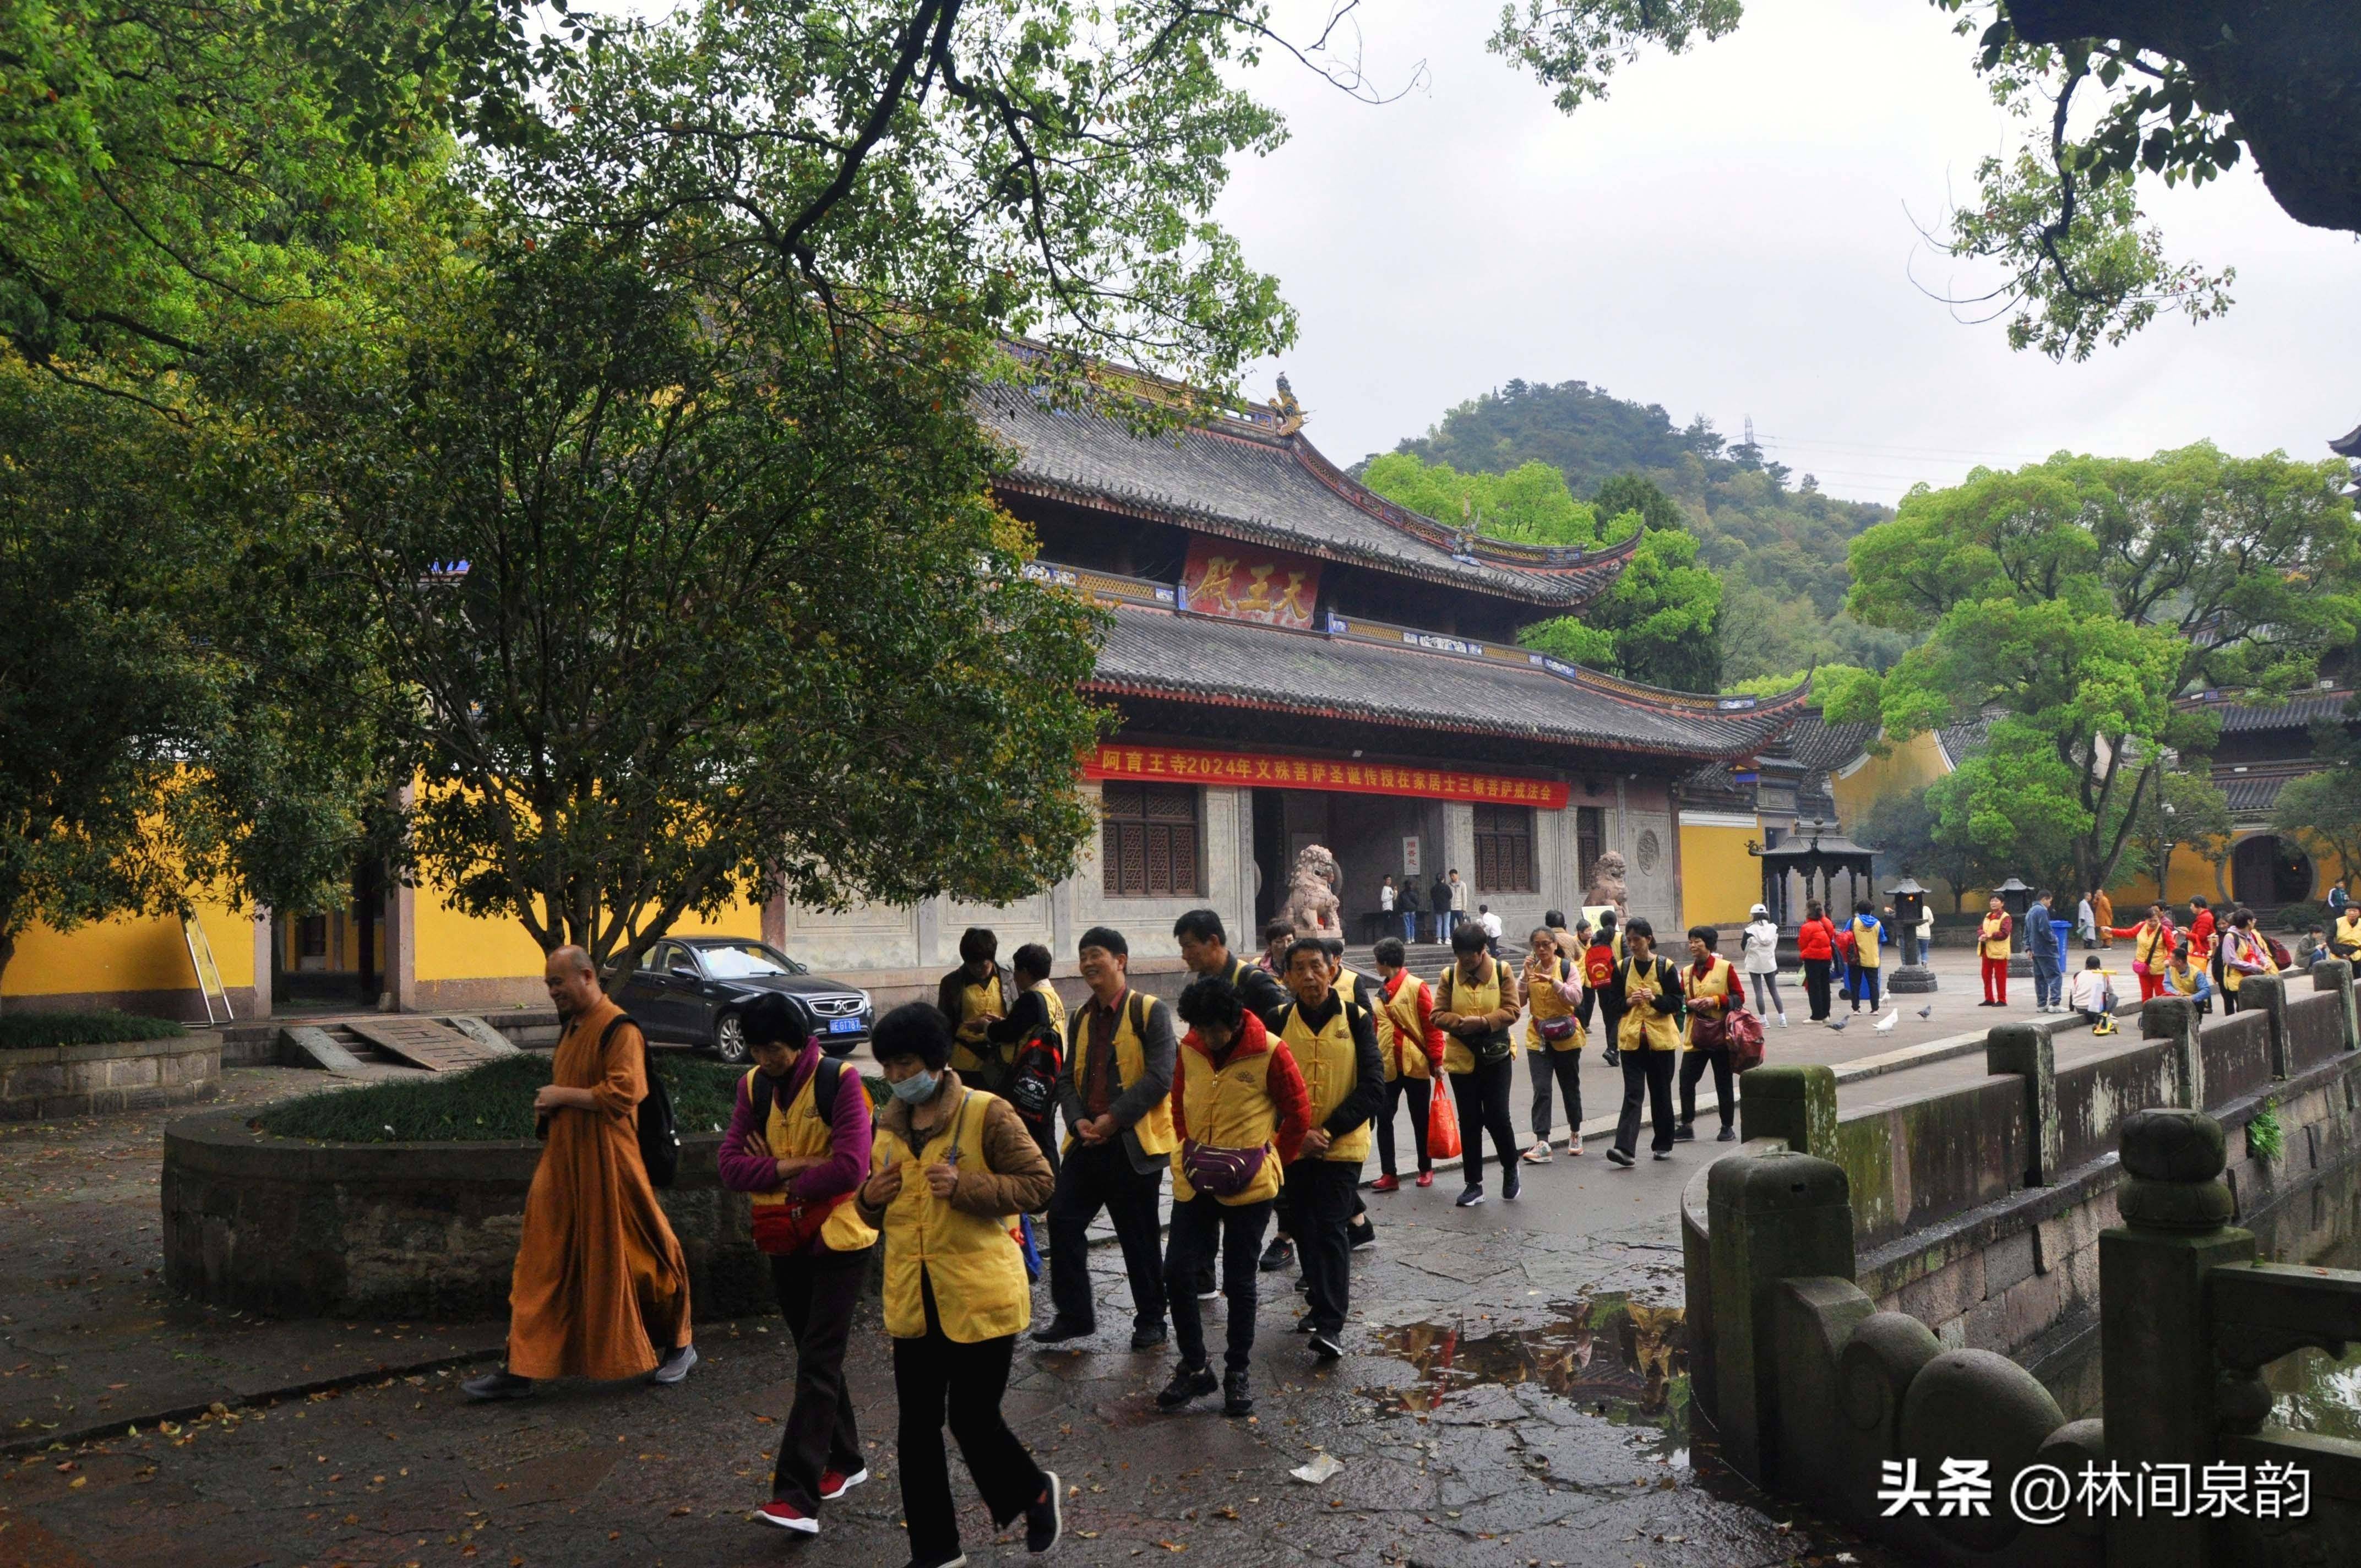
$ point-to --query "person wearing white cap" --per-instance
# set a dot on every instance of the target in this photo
(1761, 954)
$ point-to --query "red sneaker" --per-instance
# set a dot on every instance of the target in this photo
(786, 1516)
(1386, 1184)
(1426, 1178)
(834, 1483)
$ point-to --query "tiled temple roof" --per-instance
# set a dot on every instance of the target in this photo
(1266, 485)
(2252, 792)
(2299, 712)
(1192, 658)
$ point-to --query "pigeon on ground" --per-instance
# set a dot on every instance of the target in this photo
(1927, 1011)
(1888, 1022)
(1839, 1023)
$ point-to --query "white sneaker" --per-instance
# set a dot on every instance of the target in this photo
(1539, 1154)
(1783, 1020)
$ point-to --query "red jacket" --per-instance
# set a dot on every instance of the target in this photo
(1282, 1079)
(1817, 939)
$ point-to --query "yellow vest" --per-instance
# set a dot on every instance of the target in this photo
(2346, 932)
(1545, 1002)
(1468, 999)
(1155, 1129)
(1406, 1058)
(1055, 1003)
(981, 1291)
(2250, 946)
(2151, 944)
(1230, 1107)
(798, 1131)
(1720, 980)
(1643, 1028)
(1361, 991)
(975, 1001)
(1865, 947)
(2181, 981)
(1992, 944)
(1330, 1070)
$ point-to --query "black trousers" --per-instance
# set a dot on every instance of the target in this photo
(1198, 1227)
(1320, 1199)
(1566, 1069)
(1816, 986)
(817, 1292)
(1483, 1100)
(1865, 982)
(937, 1382)
(1693, 1066)
(1646, 1074)
(1096, 1176)
(1418, 1091)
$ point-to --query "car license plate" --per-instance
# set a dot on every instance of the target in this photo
(844, 1025)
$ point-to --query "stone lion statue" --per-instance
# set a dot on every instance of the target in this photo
(1312, 907)
(1607, 884)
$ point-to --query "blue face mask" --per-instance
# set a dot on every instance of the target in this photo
(916, 1089)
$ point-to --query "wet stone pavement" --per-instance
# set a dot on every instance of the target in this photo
(1514, 1393)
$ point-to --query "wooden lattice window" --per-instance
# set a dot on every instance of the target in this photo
(1148, 842)
(1504, 849)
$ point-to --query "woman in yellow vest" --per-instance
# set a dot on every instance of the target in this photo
(1709, 988)
(1992, 948)
(973, 996)
(1335, 1045)
(1643, 1002)
(1240, 1111)
(1411, 1062)
(953, 1167)
(2244, 952)
(799, 1141)
(1475, 1005)
(1554, 1039)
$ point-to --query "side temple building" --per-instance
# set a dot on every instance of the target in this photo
(1294, 659)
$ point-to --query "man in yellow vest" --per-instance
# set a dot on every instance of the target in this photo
(972, 996)
(1206, 949)
(1335, 1047)
(1116, 1087)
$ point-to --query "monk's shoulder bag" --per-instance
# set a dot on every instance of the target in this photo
(659, 1135)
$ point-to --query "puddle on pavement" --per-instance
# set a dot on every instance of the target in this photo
(1615, 1358)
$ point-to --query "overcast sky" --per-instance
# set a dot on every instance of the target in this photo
(1731, 233)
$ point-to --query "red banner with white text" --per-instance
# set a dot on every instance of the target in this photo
(1173, 764)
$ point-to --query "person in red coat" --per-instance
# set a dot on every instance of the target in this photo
(1816, 942)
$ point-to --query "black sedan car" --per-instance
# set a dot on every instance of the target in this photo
(692, 989)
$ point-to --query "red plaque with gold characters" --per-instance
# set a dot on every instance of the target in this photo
(1240, 583)
(1176, 764)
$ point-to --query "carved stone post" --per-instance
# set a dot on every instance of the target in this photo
(1774, 1216)
(2173, 1019)
(2025, 1050)
(1797, 1104)
(2337, 975)
(2162, 1383)
(2266, 994)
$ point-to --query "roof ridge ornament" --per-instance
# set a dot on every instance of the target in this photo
(1290, 411)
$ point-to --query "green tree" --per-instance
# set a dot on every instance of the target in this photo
(1638, 493)
(2016, 808)
(1529, 503)
(2122, 91)
(695, 600)
(2321, 810)
(1905, 829)
(1659, 619)
(2186, 812)
(2080, 597)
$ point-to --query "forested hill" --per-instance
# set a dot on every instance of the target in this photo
(1777, 542)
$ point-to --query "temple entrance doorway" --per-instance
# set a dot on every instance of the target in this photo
(1372, 835)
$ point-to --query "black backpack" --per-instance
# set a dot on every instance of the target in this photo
(659, 1135)
(827, 1077)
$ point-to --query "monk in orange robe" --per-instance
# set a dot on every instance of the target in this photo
(600, 1289)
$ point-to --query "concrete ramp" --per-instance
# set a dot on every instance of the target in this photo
(429, 1043)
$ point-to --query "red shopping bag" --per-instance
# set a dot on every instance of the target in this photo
(1442, 1125)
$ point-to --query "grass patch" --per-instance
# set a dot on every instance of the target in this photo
(37, 1031)
(486, 1103)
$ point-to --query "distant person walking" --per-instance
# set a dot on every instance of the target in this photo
(1553, 1040)
(1644, 998)
(799, 1141)
(1386, 896)
(1993, 948)
(2048, 959)
(1458, 900)
(1412, 1064)
(1116, 1088)
(1712, 990)
(600, 1289)
(1868, 955)
(2103, 916)
(1240, 1110)
(1475, 1004)
(1816, 942)
(1411, 906)
(1761, 945)
(2086, 924)
(953, 1168)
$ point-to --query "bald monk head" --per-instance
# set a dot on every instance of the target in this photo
(573, 981)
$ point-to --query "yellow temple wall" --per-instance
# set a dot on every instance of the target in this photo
(1719, 879)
